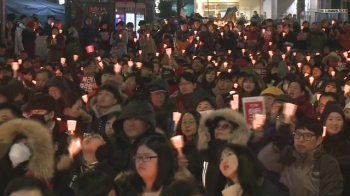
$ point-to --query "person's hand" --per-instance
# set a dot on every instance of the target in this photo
(74, 147)
(64, 163)
(182, 161)
(258, 134)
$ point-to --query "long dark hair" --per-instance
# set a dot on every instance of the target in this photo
(196, 116)
(166, 162)
(257, 89)
(250, 171)
(204, 81)
(303, 88)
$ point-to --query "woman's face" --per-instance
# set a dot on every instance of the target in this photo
(146, 162)
(189, 125)
(75, 110)
(131, 82)
(223, 130)
(54, 32)
(228, 164)
(186, 87)
(109, 126)
(331, 87)
(347, 113)
(204, 106)
(316, 72)
(248, 85)
(334, 123)
(294, 90)
(28, 77)
(9, 25)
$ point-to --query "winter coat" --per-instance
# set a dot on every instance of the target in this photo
(316, 40)
(212, 178)
(123, 149)
(338, 146)
(41, 162)
(28, 41)
(305, 106)
(316, 174)
(99, 121)
(55, 51)
(147, 46)
(119, 45)
(16, 43)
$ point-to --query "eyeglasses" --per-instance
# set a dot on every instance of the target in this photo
(306, 136)
(144, 158)
(188, 123)
(158, 93)
(223, 126)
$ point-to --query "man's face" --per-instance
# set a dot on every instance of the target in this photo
(224, 84)
(323, 101)
(197, 24)
(306, 141)
(197, 65)
(6, 115)
(106, 99)
(41, 79)
(88, 21)
(145, 72)
(134, 127)
(55, 92)
(158, 98)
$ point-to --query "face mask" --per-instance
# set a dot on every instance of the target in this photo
(39, 118)
(171, 82)
(285, 87)
(19, 153)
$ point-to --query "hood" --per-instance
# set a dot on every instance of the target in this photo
(115, 108)
(41, 162)
(162, 83)
(239, 136)
(59, 82)
(140, 109)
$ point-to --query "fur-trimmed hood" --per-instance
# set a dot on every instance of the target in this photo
(240, 135)
(41, 162)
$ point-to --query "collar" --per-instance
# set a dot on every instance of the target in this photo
(52, 126)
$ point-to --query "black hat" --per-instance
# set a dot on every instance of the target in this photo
(120, 23)
(332, 106)
(286, 99)
(142, 22)
(167, 73)
(156, 88)
(130, 24)
(182, 22)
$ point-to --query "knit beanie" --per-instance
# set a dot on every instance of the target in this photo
(272, 91)
(332, 106)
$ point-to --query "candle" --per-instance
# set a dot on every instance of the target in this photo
(270, 53)
(33, 81)
(15, 66)
(245, 37)
(147, 35)
(177, 141)
(229, 70)
(239, 33)
(176, 117)
(234, 103)
(235, 85)
(289, 111)
(164, 45)
(283, 56)
(318, 96)
(345, 54)
(117, 68)
(130, 63)
(157, 54)
(308, 58)
(294, 53)
(53, 36)
(263, 31)
(197, 38)
(289, 48)
(19, 61)
(222, 34)
(225, 65)
(75, 57)
(311, 80)
(195, 32)
(270, 43)
(243, 51)
(63, 61)
(324, 131)
(135, 40)
(232, 92)
(101, 64)
(302, 27)
(258, 120)
(284, 34)
(120, 36)
(71, 124)
(138, 65)
(333, 73)
(195, 45)
(60, 30)
(299, 65)
(253, 61)
(229, 51)
(90, 49)
(218, 73)
(168, 51)
(85, 98)
(98, 58)
(209, 58)
(140, 52)
(59, 119)
(183, 51)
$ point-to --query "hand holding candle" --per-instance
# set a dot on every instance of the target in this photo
(178, 143)
(258, 121)
(235, 102)
(311, 80)
(74, 147)
(15, 66)
(289, 110)
(176, 118)
(85, 98)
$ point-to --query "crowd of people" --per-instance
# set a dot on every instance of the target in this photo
(159, 112)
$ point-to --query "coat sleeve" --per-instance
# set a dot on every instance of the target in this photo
(331, 180)
(18, 41)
